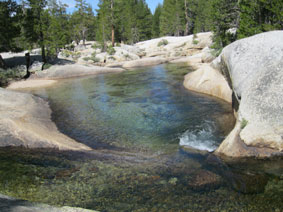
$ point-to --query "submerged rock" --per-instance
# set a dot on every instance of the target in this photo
(9, 204)
(204, 180)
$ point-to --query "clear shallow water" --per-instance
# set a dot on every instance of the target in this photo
(136, 121)
(145, 109)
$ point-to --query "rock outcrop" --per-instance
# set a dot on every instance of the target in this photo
(248, 73)
(144, 62)
(73, 70)
(25, 120)
(254, 69)
(209, 81)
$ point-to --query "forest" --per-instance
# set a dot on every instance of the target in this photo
(46, 24)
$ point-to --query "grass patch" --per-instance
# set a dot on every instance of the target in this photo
(10, 74)
(244, 123)
(93, 58)
(195, 42)
(110, 50)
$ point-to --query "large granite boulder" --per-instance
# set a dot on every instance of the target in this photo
(253, 68)
(209, 81)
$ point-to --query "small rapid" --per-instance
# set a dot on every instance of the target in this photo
(202, 137)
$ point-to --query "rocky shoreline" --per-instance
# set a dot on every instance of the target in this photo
(248, 73)
(26, 119)
(216, 78)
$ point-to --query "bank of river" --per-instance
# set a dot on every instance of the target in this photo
(136, 121)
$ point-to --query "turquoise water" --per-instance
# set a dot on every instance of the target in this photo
(143, 109)
(137, 123)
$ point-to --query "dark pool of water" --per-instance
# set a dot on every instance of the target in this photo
(136, 121)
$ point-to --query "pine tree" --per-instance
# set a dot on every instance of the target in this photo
(172, 19)
(259, 16)
(10, 15)
(143, 22)
(104, 23)
(156, 21)
(202, 16)
(225, 15)
(57, 34)
(35, 23)
(81, 19)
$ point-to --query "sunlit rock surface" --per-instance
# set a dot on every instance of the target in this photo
(254, 68)
(25, 120)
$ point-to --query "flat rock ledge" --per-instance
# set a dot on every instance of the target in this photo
(9, 204)
(25, 120)
(73, 70)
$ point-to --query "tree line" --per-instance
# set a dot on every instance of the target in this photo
(46, 24)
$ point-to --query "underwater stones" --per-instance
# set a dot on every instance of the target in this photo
(249, 183)
(204, 180)
(10, 204)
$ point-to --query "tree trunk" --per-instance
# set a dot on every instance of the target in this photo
(187, 18)
(104, 43)
(27, 56)
(112, 17)
(113, 36)
(84, 35)
(43, 56)
(2, 63)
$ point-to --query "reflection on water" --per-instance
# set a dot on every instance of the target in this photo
(135, 122)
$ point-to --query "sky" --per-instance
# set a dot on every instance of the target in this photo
(151, 3)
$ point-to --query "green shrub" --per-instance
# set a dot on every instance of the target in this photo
(163, 42)
(66, 53)
(95, 59)
(92, 57)
(111, 58)
(111, 50)
(118, 44)
(127, 56)
(10, 74)
(244, 123)
(195, 42)
(47, 66)
(96, 46)
(76, 55)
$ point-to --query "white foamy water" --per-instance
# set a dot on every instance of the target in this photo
(201, 138)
